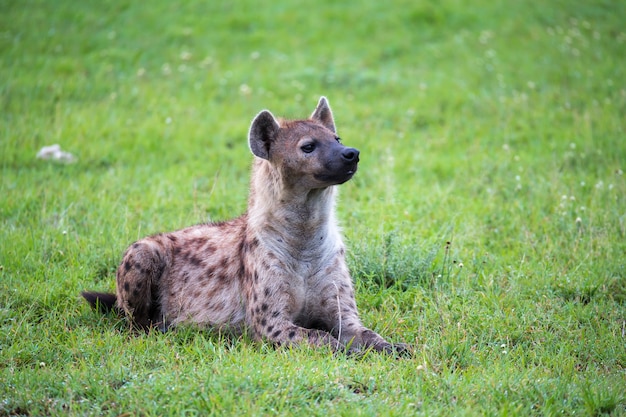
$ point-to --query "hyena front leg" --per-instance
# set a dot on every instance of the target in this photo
(281, 331)
(138, 279)
(347, 326)
(364, 338)
(270, 317)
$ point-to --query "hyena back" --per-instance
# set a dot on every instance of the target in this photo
(278, 270)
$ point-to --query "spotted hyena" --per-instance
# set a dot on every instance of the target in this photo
(279, 270)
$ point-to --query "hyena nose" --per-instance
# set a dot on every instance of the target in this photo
(350, 155)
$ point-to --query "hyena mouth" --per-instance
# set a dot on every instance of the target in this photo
(337, 178)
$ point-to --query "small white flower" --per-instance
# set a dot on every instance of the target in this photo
(245, 89)
(484, 37)
(208, 61)
(168, 120)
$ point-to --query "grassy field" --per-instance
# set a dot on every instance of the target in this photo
(486, 224)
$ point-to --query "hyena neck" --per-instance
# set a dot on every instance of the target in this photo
(301, 216)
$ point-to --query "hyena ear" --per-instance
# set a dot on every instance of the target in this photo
(324, 115)
(262, 132)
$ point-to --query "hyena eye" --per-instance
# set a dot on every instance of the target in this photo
(308, 148)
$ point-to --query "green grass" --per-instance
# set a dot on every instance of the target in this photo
(496, 126)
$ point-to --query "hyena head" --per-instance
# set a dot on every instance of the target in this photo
(307, 153)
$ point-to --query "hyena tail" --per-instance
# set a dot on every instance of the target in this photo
(102, 302)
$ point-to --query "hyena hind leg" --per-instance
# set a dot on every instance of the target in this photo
(138, 281)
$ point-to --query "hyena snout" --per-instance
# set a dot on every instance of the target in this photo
(350, 155)
(348, 161)
(339, 166)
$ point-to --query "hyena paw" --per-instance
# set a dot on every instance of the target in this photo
(399, 350)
